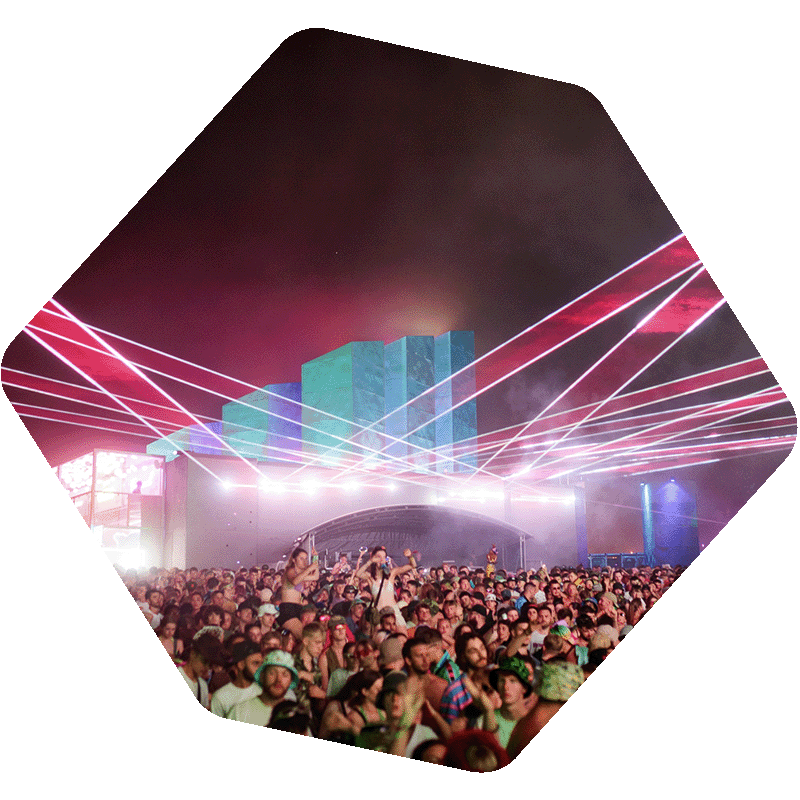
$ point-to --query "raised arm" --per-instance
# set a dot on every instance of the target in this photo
(310, 573)
(355, 574)
(412, 565)
(362, 571)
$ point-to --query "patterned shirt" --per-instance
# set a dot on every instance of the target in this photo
(455, 699)
(301, 690)
(447, 668)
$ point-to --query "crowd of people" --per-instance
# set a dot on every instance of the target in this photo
(454, 665)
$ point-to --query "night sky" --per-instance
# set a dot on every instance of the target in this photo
(354, 190)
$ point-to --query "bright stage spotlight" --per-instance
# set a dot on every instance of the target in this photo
(227, 485)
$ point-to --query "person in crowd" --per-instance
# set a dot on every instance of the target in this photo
(475, 751)
(555, 683)
(380, 578)
(204, 653)
(540, 629)
(291, 717)
(512, 681)
(166, 635)
(391, 653)
(428, 647)
(297, 572)
(403, 710)
(355, 612)
(342, 566)
(417, 664)
(340, 676)
(442, 664)
(276, 676)
(472, 659)
(333, 655)
(310, 692)
(246, 658)
(362, 708)
(267, 614)
(155, 601)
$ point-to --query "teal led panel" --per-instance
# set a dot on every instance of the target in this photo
(264, 426)
(453, 351)
(171, 446)
(343, 390)
(244, 424)
(408, 366)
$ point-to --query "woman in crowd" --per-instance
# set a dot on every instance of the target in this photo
(166, 635)
(298, 571)
(362, 708)
(333, 656)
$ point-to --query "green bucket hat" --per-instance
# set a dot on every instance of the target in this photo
(278, 658)
(517, 667)
(558, 680)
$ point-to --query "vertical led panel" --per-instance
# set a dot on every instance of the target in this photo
(327, 386)
(674, 514)
(453, 351)
(201, 441)
(409, 372)
(244, 424)
(648, 539)
(581, 536)
(171, 446)
(340, 388)
(265, 423)
(284, 433)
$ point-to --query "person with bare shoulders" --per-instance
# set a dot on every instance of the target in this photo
(445, 628)
(416, 664)
(380, 578)
(362, 709)
(166, 635)
(297, 572)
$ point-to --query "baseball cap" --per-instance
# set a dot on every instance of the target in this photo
(241, 650)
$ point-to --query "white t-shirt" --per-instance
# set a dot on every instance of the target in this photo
(252, 711)
(227, 696)
(422, 733)
(536, 642)
(203, 696)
